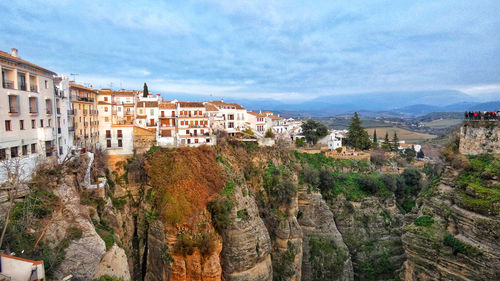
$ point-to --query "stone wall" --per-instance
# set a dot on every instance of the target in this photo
(144, 139)
(478, 137)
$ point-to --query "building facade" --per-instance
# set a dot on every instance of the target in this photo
(85, 119)
(27, 113)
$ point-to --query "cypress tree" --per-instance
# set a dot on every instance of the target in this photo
(145, 93)
(395, 141)
(357, 136)
(375, 135)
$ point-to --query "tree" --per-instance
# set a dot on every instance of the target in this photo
(387, 144)
(375, 135)
(13, 168)
(269, 134)
(395, 142)
(357, 136)
(313, 131)
(420, 154)
(145, 93)
(300, 142)
(409, 154)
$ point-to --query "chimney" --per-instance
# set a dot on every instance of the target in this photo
(13, 52)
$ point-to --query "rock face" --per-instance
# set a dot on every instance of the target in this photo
(316, 220)
(83, 255)
(157, 267)
(429, 258)
(246, 252)
(478, 137)
(371, 230)
(114, 263)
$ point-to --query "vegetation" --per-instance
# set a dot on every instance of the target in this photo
(283, 268)
(269, 134)
(145, 92)
(478, 191)
(425, 221)
(248, 131)
(220, 209)
(313, 131)
(278, 185)
(376, 266)
(326, 258)
(300, 142)
(107, 277)
(458, 246)
(186, 244)
(357, 136)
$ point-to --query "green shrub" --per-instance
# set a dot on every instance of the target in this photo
(118, 203)
(458, 246)
(184, 245)
(107, 277)
(310, 175)
(408, 205)
(206, 243)
(300, 142)
(326, 180)
(243, 214)
(423, 221)
(327, 260)
(374, 267)
(283, 267)
(220, 209)
(368, 184)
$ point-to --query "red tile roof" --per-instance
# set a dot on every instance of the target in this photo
(167, 105)
(221, 103)
(190, 104)
(147, 104)
(210, 107)
(11, 58)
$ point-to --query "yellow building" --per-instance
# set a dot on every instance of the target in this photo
(85, 118)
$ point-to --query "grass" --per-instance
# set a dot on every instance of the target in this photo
(403, 134)
(425, 221)
(443, 123)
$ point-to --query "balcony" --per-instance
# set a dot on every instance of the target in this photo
(33, 88)
(71, 129)
(86, 99)
(84, 112)
(58, 110)
(108, 136)
(151, 124)
(120, 136)
(58, 130)
(71, 112)
(8, 84)
(48, 112)
(22, 87)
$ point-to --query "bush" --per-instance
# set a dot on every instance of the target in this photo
(243, 214)
(107, 277)
(377, 157)
(326, 180)
(206, 243)
(368, 184)
(310, 175)
(327, 260)
(408, 205)
(300, 142)
(184, 245)
(390, 181)
(282, 193)
(220, 209)
(269, 134)
(423, 221)
(283, 267)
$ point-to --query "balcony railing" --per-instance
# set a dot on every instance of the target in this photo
(33, 89)
(84, 112)
(120, 136)
(8, 84)
(71, 112)
(71, 129)
(108, 136)
(13, 109)
(22, 87)
(151, 124)
(85, 99)
(58, 110)
(48, 112)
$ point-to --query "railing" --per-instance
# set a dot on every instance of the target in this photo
(33, 89)
(71, 129)
(108, 136)
(33, 111)
(48, 112)
(22, 87)
(13, 109)
(58, 110)
(8, 84)
(85, 99)
(151, 124)
(71, 112)
(86, 136)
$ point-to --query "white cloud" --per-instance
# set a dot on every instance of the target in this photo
(480, 89)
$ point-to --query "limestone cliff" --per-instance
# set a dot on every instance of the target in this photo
(479, 137)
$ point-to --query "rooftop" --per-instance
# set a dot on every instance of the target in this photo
(190, 104)
(20, 61)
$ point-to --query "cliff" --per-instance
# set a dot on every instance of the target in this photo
(480, 137)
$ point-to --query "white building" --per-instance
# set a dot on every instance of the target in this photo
(27, 113)
(64, 118)
(231, 117)
(18, 269)
(193, 124)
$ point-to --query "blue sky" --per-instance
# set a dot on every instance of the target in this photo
(285, 50)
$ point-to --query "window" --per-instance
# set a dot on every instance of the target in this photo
(14, 152)
(106, 119)
(162, 113)
(108, 134)
(48, 106)
(201, 131)
(152, 112)
(46, 84)
(33, 124)
(208, 140)
(33, 148)
(120, 144)
(21, 81)
(195, 140)
(33, 103)
(13, 104)
(50, 123)
(108, 143)
(173, 113)
(189, 141)
(3, 154)
(7, 125)
(41, 123)
(25, 149)
(120, 133)
(199, 112)
(105, 109)
(21, 124)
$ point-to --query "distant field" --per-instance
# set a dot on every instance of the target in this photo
(445, 123)
(341, 123)
(408, 136)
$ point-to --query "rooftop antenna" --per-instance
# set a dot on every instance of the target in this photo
(74, 76)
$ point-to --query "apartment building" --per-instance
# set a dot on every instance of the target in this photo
(193, 124)
(116, 121)
(258, 122)
(147, 113)
(167, 127)
(26, 112)
(64, 118)
(85, 119)
(230, 117)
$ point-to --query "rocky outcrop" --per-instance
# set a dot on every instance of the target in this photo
(371, 230)
(114, 263)
(316, 220)
(478, 137)
(157, 266)
(246, 252)
(82, 255)
(475, 254)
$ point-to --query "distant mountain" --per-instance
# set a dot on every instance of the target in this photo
(387, 103)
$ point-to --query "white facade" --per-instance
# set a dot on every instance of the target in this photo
(230, 117)
(27, 114)
(64, 120)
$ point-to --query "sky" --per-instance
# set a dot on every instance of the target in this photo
(283, 50)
